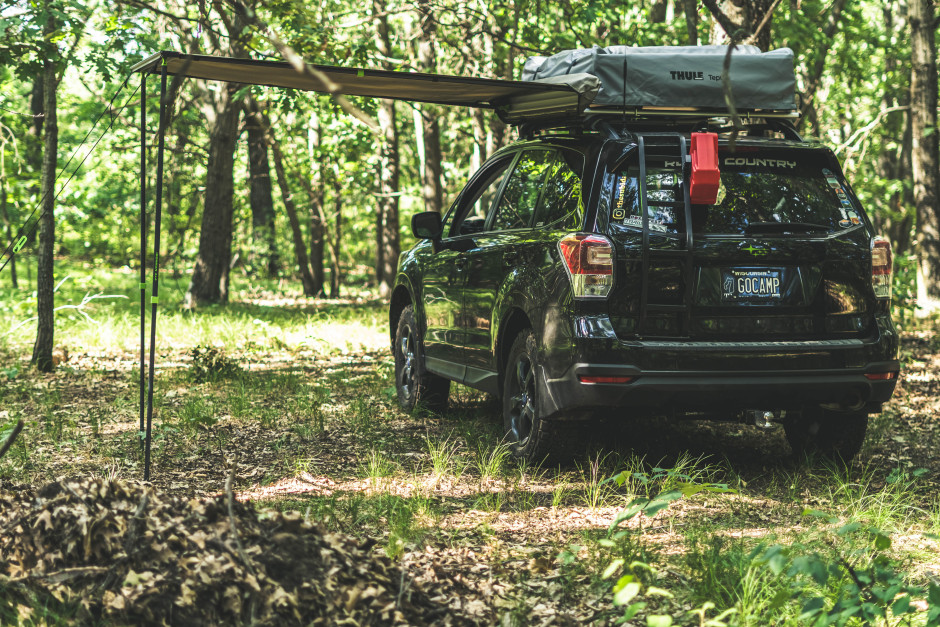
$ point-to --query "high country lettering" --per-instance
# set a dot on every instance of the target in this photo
(764, 163)
(686, 76)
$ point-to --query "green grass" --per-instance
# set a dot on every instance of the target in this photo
(301, 392)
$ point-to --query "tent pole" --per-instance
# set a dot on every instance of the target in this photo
(143, 248)
(154, 298)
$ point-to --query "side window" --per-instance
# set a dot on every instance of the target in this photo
(470, 215)
(561, 205)
(518, 203)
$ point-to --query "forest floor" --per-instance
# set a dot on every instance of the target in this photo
(294, 399)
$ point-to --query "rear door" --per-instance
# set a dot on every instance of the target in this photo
(782, 254)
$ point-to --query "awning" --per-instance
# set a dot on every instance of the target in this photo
(514, 101)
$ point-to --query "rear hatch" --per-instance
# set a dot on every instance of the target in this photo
(783, 254)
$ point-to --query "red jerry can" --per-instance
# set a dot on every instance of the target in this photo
(703, 189)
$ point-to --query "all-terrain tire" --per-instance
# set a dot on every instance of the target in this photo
(531, 435)
(416, 386)
(837, 436)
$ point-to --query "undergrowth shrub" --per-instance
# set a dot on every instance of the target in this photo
(211, 364)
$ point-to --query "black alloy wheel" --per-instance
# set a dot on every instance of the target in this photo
(414, 384)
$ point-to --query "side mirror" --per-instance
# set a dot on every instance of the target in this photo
(427, 225)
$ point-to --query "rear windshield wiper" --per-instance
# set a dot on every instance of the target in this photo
(785, 227)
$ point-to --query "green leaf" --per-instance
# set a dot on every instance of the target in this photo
(780, 599)
(653, 590)
(849, 528)
(627, 593)
(882, 542)
(902, 605)
(812, 606)
(632, 610)
(659, 620)
(614, 566)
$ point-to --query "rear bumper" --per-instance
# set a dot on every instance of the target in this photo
(671, 377)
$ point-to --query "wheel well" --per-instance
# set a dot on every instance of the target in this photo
(400, 299)
(515, 321)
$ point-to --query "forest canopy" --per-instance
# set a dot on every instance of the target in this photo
(275, 182)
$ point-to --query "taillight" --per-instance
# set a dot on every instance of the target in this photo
(589, 260)
(881, 267)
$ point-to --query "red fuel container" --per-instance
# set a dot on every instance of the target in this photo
(703, 188)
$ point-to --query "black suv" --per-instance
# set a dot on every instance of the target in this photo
(576, 278)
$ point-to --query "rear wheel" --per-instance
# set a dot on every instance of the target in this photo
(414, 384)
(834, 435)
(531, 435)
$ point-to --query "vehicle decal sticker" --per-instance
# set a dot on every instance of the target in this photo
(637, 221)
(845, 223)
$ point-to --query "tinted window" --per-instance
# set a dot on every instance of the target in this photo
(753, 197)
(474, 207)
(521, 196)
(758, 193)
(561, 205)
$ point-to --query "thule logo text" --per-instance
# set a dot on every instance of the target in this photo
(686, 76)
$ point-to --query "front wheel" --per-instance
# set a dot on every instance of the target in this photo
(414, 384)
(834, 435)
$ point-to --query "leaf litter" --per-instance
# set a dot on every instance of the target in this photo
(133, 554)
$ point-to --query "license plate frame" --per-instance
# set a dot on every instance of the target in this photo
(751, 285)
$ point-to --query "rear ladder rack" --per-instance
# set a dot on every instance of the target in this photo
(666, 146)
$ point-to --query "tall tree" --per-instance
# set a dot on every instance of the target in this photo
(264, 241)
(210, 279)
(45, 297)
(432, 170)
(389, 172)
(924, 159)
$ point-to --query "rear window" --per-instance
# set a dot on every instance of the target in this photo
(787, 192)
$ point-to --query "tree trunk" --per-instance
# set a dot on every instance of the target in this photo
(813, 79)
(317, 206)
(924, 160)
(432, 174)
(658, 11)
(9, 227)
(389, 174)
(386, 220)
(264, 244)
(209, 283)
(300, 249)
(45, 281)
(337, 236)
(746, 16)
(691, 20)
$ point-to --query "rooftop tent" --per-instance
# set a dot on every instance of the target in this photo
(512, 100)
(678, 77)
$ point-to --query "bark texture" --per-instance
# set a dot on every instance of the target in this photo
(45, 279)
(264, 243)
(209, 282)
(432, 183)
(924, 159)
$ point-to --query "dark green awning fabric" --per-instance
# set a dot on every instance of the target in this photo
(514, 100)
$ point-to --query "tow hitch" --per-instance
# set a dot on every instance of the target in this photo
(764, 418)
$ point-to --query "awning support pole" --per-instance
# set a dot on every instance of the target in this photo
(154, 298)
(144, 223)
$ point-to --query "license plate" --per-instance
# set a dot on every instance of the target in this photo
(747, 284)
